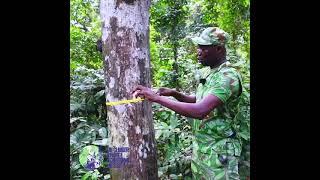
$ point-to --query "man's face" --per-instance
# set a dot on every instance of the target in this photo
(208, 54)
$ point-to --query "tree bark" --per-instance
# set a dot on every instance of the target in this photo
(125, 39)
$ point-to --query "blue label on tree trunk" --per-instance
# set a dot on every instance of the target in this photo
(118, 157)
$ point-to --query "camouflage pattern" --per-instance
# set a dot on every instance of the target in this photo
(217, 144)
(212, 36)
(244, 161)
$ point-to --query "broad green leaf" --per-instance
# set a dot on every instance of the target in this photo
(158, 134)
(173, 176)
(99, 94)
(103, 142)
(86, 151)
(103, 132)
(107, 176)
(86, 176)
(173, 121)
(194, 168)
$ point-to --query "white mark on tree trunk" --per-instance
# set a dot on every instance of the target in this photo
(118, 71)
(121, 109)
(111, 83)
(110, 98)
(109, 10)
(132, 77)
(145, 130)
(119, 135)
(147, 145)
(138, 130)
(125, 154)
(145, 154)
(130, 123)
(134, 12)
(106, 58)
(112, 53)
(140, 150)
(120, 33)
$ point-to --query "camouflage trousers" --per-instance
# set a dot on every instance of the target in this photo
(209, 164)
(224, 168)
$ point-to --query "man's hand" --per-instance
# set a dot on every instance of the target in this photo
(146, 93)
(165, 91)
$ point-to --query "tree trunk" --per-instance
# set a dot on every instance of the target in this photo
(125, 38)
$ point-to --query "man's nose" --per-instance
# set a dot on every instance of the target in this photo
(198, 52)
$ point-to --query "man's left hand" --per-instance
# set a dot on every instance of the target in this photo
(146, 93)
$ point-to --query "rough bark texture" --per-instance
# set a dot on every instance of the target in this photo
(125, 38)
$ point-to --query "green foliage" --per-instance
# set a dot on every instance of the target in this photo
(87, 102)
(87, 121)
(84, 33)
(168, 18)
(232, 16)
(83, 133)
(173, 136)
(87, 93)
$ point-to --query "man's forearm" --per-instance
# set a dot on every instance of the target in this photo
(185, 109)
(184, 98)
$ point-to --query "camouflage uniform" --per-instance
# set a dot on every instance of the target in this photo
(216, 145)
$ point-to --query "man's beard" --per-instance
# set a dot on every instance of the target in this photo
(204, 62)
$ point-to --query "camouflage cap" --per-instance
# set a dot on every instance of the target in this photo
(212, 36)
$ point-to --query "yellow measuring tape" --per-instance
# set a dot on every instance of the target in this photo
(124, 102)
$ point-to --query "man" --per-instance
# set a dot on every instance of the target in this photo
(216, 146)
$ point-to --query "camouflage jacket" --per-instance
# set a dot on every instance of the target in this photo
(218, 132)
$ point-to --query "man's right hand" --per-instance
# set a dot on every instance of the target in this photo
(166, 91)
